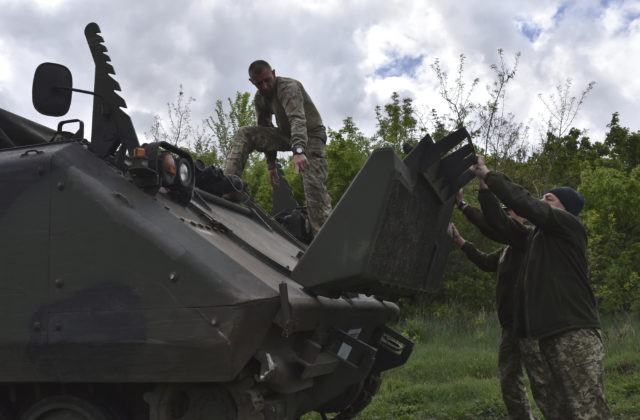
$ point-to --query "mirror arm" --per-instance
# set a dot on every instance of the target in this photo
(77, 90)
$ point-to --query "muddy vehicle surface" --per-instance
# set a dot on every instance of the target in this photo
(132, 290)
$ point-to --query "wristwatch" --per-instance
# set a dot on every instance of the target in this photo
(461, 204)
(299, 150)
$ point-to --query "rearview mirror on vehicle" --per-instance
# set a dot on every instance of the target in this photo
(51, 92)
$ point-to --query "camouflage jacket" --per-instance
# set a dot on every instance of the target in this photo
(296, 115)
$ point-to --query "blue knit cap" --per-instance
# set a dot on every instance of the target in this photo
(571, 199)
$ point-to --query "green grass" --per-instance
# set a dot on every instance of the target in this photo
(453, 374)
(622, 365)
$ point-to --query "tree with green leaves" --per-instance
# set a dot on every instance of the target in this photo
(494, 130)
(347, 150)
(623, 145)
(457, 97)
(503, 138)
(560, 161)
(181, 130)
(397, 123)
(612, 199)
(562, 109)
(224, 124)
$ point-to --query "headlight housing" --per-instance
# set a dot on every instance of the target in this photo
(161, 164)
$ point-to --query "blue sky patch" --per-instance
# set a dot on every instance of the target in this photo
(630, 17)
(530, 30)
(560, 12)
(401, 66)
(533, 31)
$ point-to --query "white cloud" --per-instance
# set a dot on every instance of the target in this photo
(6, 70)
(47, 6)
(350, 55)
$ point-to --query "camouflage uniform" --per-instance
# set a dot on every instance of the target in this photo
(543, 388)
(575, 358)
(510, 362)
(506, 262)
(514, 391)
(515, 351)
(298, 125)
(555, 305)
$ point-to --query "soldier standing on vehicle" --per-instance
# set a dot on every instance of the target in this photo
(299, 130)
(554, 300)
(506, 262)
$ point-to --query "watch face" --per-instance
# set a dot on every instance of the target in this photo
(299, 150)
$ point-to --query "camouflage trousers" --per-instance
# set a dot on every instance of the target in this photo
(567, 376)
(270, 140)
(514, 391)
(548, 401)
(576, 361)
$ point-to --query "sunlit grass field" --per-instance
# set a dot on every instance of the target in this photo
(453, 374)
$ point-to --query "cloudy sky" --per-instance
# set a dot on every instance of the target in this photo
(350, 54)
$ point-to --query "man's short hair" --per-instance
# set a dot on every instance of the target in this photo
(258, 67)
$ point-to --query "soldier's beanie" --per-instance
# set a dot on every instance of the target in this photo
(571, 199)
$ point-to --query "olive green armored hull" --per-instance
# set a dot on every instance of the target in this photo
(128, 292)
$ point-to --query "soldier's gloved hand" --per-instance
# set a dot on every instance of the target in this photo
(273, 177)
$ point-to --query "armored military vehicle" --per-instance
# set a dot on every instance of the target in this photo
(130, 291)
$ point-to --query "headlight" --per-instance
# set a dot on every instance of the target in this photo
(162, 164)
(185, 173)
(183, 184)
